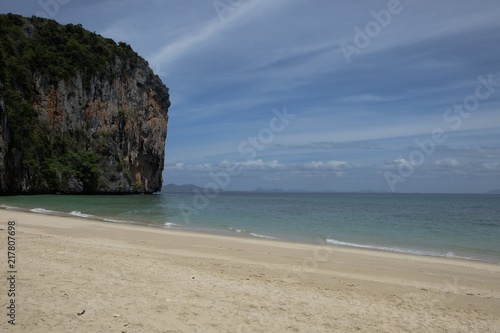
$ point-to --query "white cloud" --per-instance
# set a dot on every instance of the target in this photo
(248, 165)
(174, 165)
(325, 166)
(394, 165)
(260, 165)
(447, 162)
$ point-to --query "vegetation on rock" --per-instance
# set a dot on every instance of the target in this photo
(54, 161)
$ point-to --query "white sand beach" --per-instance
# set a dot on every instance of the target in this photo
(78, 275)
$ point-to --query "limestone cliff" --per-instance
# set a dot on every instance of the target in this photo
(78, 113)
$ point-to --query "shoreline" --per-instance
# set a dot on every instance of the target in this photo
(134, 278)
(231, 233)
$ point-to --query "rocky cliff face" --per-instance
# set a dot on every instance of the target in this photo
(123, 120)
(89, 132)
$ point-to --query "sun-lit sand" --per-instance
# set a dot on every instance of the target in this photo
(77, 275)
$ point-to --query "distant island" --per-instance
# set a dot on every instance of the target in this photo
(190, 188)
(194, 188)
(79, 113)
(182, 188)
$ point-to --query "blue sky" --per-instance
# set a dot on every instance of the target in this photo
(317, 95)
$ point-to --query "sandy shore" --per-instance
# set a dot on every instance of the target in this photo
(130, 278)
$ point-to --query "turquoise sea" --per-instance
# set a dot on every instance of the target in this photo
(453, 225)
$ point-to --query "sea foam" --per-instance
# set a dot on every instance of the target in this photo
(43, 211)
(384, 248)
(262, 236)
(80, 214)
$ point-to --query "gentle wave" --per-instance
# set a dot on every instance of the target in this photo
(76, 213)
(115, 220)
(8, 207)
(262, 236)
(391, 249)
(248, 232)
(43, 211)
(237, 230)
(170, 224)
(80, 214)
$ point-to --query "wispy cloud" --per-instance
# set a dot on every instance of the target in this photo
(448, 162)
(227, 75)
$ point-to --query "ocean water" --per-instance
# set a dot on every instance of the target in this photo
(452, 225)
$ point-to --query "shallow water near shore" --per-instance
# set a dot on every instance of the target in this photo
(448, 225)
